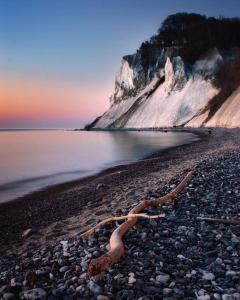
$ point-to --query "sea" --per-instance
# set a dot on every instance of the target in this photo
(31, 160)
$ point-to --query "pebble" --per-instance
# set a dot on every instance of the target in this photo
(208, 276)
(163, 278)
(27, 233)
(95, 288)
(102, 297)
(63, 269)
(35, 294)
(9, 296)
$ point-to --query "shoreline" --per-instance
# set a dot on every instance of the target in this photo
(83, 202)
(65, 184)
(91, 174)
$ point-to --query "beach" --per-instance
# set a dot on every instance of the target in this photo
(203, 253)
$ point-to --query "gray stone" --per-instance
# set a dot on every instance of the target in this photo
(208, 276)
(102, 297)
(34, 294)
(236, 296)
(167, 291)
(63, 269)
(231, 273)
(163, 278)
(95, 288)
(227, 297)
(9, 296)
(217, 296)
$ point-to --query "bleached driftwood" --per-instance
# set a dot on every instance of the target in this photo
(116, 251)
(112, 219)
(219, 221)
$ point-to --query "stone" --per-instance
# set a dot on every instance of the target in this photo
(231, 273)
(95, 288)
(181, 257)
(236, 296)
(167, 291)
(203, 297)
(163, 278)
(9, 296)
(217, 296)
(227, 297)
(27, 232)
(63, 269)
(208, 276)
(34, 294)
(131, 280)
(102, 297)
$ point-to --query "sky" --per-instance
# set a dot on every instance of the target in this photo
(59, 58)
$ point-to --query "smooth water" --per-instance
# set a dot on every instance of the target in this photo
(31, 160)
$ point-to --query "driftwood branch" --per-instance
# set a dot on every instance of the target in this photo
(116, 251)
(112, 219)
(222, 221)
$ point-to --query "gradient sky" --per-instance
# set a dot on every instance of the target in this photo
(58, 58)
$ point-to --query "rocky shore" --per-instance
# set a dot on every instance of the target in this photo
(178, 257)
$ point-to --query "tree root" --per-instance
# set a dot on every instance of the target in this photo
(116, 251)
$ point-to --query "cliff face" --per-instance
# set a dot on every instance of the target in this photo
(160, 86)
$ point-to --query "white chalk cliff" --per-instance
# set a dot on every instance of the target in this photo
(167, 91)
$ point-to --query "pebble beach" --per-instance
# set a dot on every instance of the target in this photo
(176, 257)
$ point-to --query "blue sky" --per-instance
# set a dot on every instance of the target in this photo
(81, 42)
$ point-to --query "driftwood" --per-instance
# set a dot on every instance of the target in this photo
(112, 219)
(222, 221)
(116, 251)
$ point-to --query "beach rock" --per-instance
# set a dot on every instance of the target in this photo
(163, 278)
(63, 269)
(34, 294)
(217, 296)
(102, 297)
(231, 273)
(131, 278)
(227, 297)
(208, 276)
(9, 296)
(95, 288)
(26, 233)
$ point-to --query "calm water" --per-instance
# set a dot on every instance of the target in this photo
(31, 160)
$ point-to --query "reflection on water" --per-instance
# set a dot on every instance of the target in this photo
(31, 160)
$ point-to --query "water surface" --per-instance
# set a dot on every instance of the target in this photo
(31, 160)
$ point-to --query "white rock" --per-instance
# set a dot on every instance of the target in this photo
(27, 232)
(227, 297)
(231, 273)
(65, 248)
(217, 296)
(208, 276)
(181, 257)
(163, 278)
(131, 280)
(203, 297)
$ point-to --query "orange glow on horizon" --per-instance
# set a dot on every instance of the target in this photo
(40, 99)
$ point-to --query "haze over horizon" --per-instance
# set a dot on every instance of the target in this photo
(58, 59)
